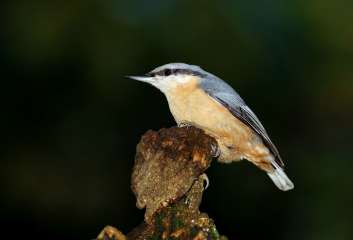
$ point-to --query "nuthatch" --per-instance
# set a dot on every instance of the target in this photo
(203, 100)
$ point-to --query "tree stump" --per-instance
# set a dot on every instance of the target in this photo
(168, 180)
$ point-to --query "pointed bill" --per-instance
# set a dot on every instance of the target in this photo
(147, 79)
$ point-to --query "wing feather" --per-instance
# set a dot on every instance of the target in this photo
(233, 102)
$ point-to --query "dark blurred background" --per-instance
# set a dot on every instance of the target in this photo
(70, 121)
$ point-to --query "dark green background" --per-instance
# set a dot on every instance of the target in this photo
(70, 121)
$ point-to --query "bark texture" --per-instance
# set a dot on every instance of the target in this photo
(168, 180)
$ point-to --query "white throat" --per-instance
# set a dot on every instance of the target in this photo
(166, 84)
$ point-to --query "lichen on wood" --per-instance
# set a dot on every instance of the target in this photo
(168, 180)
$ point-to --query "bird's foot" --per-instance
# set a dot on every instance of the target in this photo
(215, 150)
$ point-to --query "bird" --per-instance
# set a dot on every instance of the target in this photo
(200, 99)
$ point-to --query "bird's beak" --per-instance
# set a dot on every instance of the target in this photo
(145, 78)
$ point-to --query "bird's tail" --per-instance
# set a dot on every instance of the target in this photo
(280, 179)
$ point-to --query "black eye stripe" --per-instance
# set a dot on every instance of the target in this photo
(176, 71)
(167, 72)
(164, 72)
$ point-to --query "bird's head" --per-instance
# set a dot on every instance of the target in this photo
(172, 75)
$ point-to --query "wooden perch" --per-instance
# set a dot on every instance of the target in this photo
(168, 180)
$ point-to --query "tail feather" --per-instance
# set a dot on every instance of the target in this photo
(280, 179)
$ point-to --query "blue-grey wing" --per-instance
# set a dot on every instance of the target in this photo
(225, 95)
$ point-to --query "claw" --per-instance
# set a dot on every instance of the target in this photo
(205, 178)
(184, 124)
(215, 150)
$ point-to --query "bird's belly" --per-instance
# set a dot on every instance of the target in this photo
(235, 139)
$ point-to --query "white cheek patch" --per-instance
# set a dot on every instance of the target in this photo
(167, 83)
(181, 79)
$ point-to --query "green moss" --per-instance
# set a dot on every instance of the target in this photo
(158, 226)
(194, 231)
(214, 233)
(181, 217)
(176, 223)
(154, 237)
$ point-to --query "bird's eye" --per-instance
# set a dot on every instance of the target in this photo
(167, 72)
